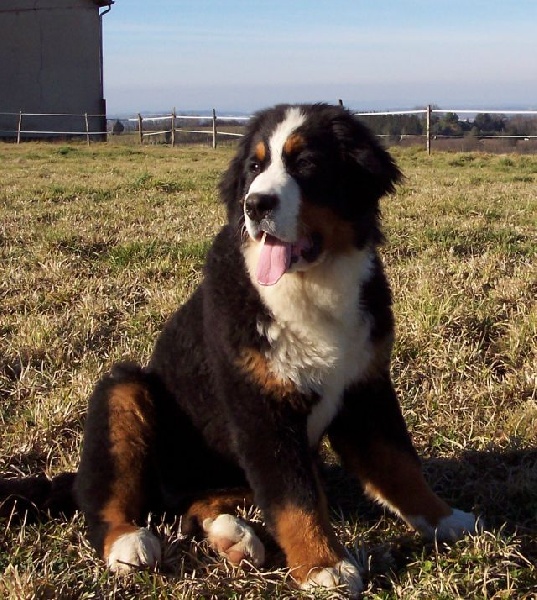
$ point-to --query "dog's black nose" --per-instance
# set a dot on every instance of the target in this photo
(258, 206)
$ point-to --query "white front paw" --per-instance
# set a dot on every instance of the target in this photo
(456, 525)
(137, 549)
(448, 529)
(233, 539)
(345, 574)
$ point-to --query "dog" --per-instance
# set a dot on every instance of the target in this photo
(287, 340)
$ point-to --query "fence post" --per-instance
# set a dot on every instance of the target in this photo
(429, 110)
(19, 127)
(87, 128)
(140, 129)
(214, 129)
(173, 127)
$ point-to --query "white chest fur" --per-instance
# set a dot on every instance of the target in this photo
(319, 339)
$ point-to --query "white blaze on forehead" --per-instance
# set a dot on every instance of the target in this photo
(294, 118)
(275, 179)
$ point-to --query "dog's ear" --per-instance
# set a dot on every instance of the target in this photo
(368, 167)
(232, 182)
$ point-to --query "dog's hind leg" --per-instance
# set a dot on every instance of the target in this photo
(114, 480)
(215, 514)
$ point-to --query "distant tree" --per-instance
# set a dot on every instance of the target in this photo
(448, 125)
(521, 125)
(394, 125)
(466, 126)
(489, 124)
(452, 118)
(411, 125)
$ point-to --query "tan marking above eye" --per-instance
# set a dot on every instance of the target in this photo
(294, 143)
(260, 151)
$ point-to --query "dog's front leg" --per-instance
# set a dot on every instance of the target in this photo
(279, 465)
(371, 437)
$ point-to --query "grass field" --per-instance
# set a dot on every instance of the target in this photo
(98, 245)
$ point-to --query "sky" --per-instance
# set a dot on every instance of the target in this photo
(244, 55)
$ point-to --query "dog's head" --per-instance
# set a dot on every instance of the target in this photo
(305, 182)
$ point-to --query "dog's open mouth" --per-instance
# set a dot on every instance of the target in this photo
(276, 257)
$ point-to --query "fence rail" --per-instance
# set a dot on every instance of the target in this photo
(173, 129)
(87, 122)
(93, 126)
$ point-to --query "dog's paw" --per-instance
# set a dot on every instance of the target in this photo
(345, 574)
(133, 550)
(456, 525)
(234, 540)
(450, 528)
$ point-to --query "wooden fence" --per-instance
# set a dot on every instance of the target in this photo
(214, 132)
(87, 125)
(169, 126)
(428, 111)
(173, 129)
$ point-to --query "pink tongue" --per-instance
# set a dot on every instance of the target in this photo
(274, 260)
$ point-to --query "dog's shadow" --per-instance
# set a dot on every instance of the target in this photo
(498, 485)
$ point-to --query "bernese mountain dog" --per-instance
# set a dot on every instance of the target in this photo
(286, 340)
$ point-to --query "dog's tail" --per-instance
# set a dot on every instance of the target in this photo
(32, 498)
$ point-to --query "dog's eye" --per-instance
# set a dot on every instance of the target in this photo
(304, 164)
(254, 167)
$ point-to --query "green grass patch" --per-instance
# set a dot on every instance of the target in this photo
(139, 253)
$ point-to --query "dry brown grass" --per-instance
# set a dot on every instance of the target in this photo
(99, 245)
